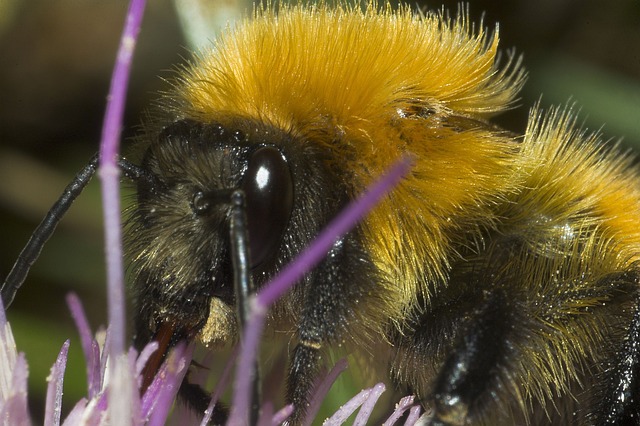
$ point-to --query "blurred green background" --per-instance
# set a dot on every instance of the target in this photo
(56, 61)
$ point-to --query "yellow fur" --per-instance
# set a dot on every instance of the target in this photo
(363, 81)
(370, 85)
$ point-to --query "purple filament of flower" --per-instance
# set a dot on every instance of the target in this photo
(148, 350)
(13, 410)
(344, 412)
(266, 414)
(77, 412)
(322, 389)
(176, 368)
(414, 415)
(109, 174)
(368, 405)
(282, 415)
(401, 407)
(90, 347)
(53, 407)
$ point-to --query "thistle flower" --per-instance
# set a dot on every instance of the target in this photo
(13, 378)
(154, 407)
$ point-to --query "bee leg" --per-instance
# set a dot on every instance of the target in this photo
(305, 363)
(331, 297)
(198, 399)
(316, 325)
(621, 398)
(469, 373)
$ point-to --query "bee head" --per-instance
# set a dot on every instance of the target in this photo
(179, 239)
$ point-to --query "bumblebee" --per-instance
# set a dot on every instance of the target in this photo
(501, 275)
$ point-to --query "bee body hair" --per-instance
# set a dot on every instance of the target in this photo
(501, 273)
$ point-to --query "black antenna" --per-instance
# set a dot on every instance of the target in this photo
(43, 232)
(46, 228)
(243, 284)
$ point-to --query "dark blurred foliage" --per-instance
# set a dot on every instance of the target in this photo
(56, 61)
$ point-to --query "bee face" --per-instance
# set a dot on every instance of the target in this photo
(180, 225)
(178, 230)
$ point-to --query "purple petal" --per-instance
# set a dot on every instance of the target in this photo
(322, 389)
(53, 407)
(20, 374)
(109, 174)
(90, 347)
(13, 409)
(122, 390)
(3, 316)
(10, 373)
(344, 412)
(101, 407)
(369, 405)
(282, 415)
(95, 411)
(401, 407)
(104, 356)
(177, 366)
(76, 414)
(8, 356)
(135, 400)
(144, 356)
(94, 375)
(266, 414)
(150, 397)
(414, 415)
(82, 324)
(153, 393)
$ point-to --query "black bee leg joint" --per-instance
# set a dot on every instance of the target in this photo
(469, 372)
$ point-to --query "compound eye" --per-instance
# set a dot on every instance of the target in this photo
(268, 186)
